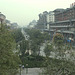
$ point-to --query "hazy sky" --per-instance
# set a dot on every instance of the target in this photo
(24, 11)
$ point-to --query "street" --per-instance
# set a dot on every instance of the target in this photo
(42, 49)
(31, 71)
(25, 34)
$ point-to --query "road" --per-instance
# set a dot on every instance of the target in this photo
(25, 34)
(42, 49)
(31, 71)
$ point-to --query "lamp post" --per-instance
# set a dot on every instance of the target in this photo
(20, 68)
(26, 68)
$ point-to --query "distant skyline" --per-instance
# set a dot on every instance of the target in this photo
(24, 11)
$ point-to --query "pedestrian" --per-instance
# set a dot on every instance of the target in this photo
(23, 66)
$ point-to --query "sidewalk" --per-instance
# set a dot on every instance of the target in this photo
(31, 71)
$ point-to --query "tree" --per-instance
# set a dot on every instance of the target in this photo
(36, 38)
(58, 67)
(24, 45)
(48, 49)
(46, 36)
(58, 40)
(35, 48)
(9, 61)
(17, 34)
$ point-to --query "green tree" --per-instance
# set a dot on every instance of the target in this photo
(46, 36)
(24, 45)
(17, 34)
(58, 40)
(58, 67)
(9, 61)
(35, 48)
(48, 49)
(36, 38)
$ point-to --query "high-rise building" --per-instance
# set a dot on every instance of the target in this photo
(42, 22)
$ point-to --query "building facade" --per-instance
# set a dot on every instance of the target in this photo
(42, 22)
(50, 18)
(64, 24)
(59, 21)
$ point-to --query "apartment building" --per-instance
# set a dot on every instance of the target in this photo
(64, 24)
(42, 22)
(50, 18)
(59, 21)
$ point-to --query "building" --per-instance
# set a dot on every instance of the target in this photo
(2, 19)
(32, 24)
(64, 24)
(8, 23)
(42, 22)
(14, 26)
(50, 18)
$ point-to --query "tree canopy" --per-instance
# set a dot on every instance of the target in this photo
(9, 61)
(17, 34)
(48, 49)
(58, 39)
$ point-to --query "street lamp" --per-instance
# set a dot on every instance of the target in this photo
(26, 68)
(20, 68)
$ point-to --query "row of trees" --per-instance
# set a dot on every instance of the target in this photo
(9, 60)
(57, 65)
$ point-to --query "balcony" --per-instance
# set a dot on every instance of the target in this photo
(60, 26)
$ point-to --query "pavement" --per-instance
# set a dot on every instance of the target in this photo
(31, 71)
